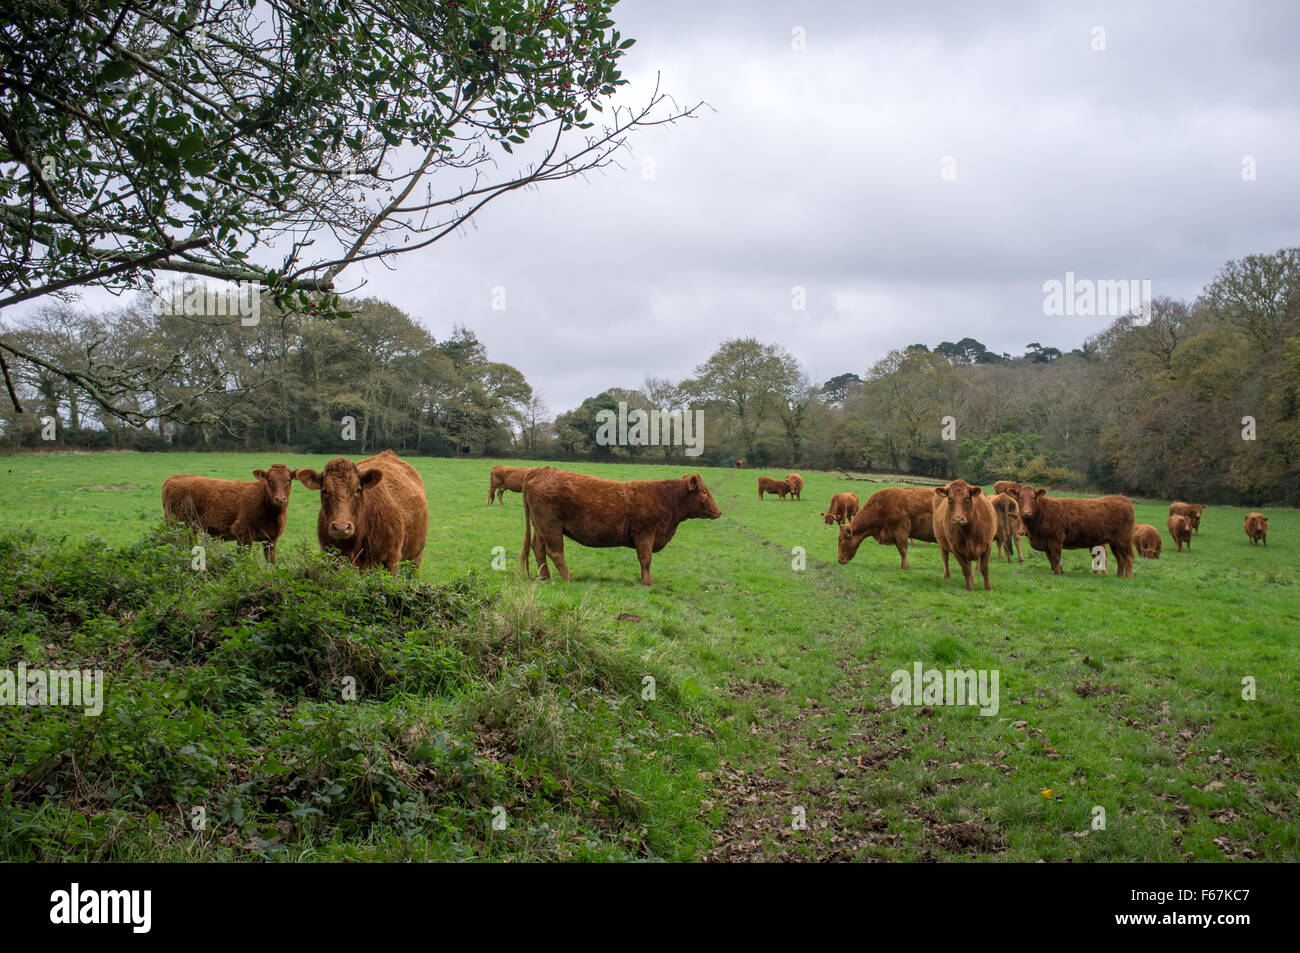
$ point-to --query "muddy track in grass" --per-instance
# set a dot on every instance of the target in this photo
(807, 790)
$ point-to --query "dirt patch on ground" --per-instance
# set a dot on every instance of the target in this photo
(111, 486)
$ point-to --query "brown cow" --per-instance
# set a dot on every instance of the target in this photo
(243, 511)
(740, 464)
(1257, 528)
(844, 506)
(1008, 533)
(892, 515)
(1009, 487)
(1146, 541)
(639, 514)
(1055, 523)
(768, 485)
(374, 512)
(1193, 513)
(964, 525)
(505, 478)
(795, 482)
(1180, 528)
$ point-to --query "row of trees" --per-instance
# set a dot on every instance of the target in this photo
(1191, 399)
(375, 380)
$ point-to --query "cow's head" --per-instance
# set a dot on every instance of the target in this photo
(699, 501)
(1027, 498)
(276, 482)
(1195, 515)
(828, 518)
(960, 494)
(342, 493)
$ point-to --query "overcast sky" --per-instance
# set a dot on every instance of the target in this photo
(821, 168)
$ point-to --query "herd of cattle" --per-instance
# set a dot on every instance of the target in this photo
(375, 513)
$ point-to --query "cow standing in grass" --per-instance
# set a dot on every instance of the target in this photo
(1008, 532)
(504, 478)
(374, 512)
(1180, 528)
(1146, 541)
(768, 485)
(1193, 513)
(795, 482)
(1256, 528)
(892, 515)
(1056, 523)
(964, 525)
(243, 511)
(844, 506)
(638, 514)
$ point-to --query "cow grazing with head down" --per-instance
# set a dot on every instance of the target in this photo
(243, 511)
(1056, 523)
(638, 514)
(1257, 528)
(1146, 541)
(844, 506)
(892, 515)
(964, 525)
(795, 482)
(1180, 528)
(1008, 533)
(373, 512)
(768, 485)
(504, 478)
(1193, 513)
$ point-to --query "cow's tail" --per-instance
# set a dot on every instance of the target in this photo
(528, 537)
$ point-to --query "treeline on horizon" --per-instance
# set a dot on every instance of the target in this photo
(1196, 400)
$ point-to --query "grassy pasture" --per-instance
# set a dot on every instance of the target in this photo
(773, 691)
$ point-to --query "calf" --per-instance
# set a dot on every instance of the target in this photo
(239, 510)
(892, 515)
(373, 512)
(740, 464)
(1192, 511)
(639, 514)
(1146, 541)
(1180, 528)
(795, 482)
(844, 506)
(768, 485)
(964, 525)
(504, 478)
(1054, 524)
(1008, 533)
(1256, 528)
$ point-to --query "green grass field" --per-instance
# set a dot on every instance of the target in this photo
(772, 691)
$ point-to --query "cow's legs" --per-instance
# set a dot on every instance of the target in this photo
(268, 550)
(1054, 557)
(556, 551)
(984, 568)
(967, 571)
(1019, 554)
(900, 540)
(944, 553)
(1123, 556)
(644, 553)
(539, 551)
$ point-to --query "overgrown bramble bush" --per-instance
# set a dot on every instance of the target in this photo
(307, 710)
